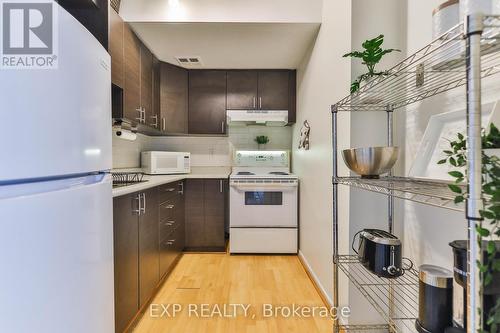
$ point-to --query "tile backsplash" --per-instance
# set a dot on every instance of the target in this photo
(205, 151)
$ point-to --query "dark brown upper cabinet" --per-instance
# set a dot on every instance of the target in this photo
(292, 96)
(262, 90)
(242, 90)
(116, 48)
(132, 66)
(207, 102)
(149, 117)
(156, 92)
(174, 99)
(273, 90)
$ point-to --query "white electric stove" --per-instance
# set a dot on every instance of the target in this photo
(263, 203)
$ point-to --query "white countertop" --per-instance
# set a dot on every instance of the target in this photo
(152, 181)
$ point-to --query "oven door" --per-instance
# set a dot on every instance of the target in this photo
(263, 205)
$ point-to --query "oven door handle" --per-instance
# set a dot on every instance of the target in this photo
(264, 187)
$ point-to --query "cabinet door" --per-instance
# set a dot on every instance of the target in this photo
(214, 201)
(155, 117)
(174, 99)
(116, 48)
(126, 260)
(273, 90)
(207, 102)
(149, 255)
(147, 84)
(242, 90)
(292, 92)
(132, 66)
(195, 215)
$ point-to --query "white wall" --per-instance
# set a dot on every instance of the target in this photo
(323, 78)
(429, 230)
(370, 128)
(304, 11)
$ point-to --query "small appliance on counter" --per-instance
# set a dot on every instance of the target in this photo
(380, 252)
(165, 162)
(491, 292)
(435, 299)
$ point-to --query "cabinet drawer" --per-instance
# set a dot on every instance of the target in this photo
(170, 247)
(168, 209)
(169, 191)
(167, 226)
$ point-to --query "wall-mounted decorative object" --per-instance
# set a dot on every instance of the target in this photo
(304, 136)
(261, 140)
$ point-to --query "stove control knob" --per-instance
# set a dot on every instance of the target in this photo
(239, 155)
(271, 158)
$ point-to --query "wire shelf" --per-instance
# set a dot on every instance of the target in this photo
(429, 192)
(438, 67)
(396, 300)
(364, 328)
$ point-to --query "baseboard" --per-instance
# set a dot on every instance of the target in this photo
(314, 279)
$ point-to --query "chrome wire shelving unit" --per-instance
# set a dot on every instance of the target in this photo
(396, 300)
(463, 56)
(433, 193)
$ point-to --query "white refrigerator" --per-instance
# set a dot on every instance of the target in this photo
(56, 223)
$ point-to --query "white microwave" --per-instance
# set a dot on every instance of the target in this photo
(165, 162)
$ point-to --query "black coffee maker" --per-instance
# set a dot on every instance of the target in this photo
(491, 292)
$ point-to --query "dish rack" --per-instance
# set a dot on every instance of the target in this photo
(127, 178)
(464, 55)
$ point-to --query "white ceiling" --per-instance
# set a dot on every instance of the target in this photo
(230, 45)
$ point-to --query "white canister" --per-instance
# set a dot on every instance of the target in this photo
(487, 7)
(445, 17)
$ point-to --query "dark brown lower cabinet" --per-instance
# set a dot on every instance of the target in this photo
(138, 254)
(171, 225)
(206, 201)
(126, 258)
(149, 252)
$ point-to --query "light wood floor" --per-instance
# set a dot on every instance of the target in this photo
(222, 279)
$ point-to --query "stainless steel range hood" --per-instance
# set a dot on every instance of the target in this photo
(257, 117)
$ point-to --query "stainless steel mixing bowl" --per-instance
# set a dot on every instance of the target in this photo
(370, 162)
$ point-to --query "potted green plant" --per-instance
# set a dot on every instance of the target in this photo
(261, 140)
(456, 156)
(371, 56)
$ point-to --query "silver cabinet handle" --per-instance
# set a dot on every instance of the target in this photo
(260, 102)
(170, 242)
(139, 109)
(222, 126)
(138, 210)
(181, 191)
(155, 124)
(144, 203)
(163, 123)
(254, 102)
(168, 206)
(169, 223)
(220, 186)
(170, 189)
